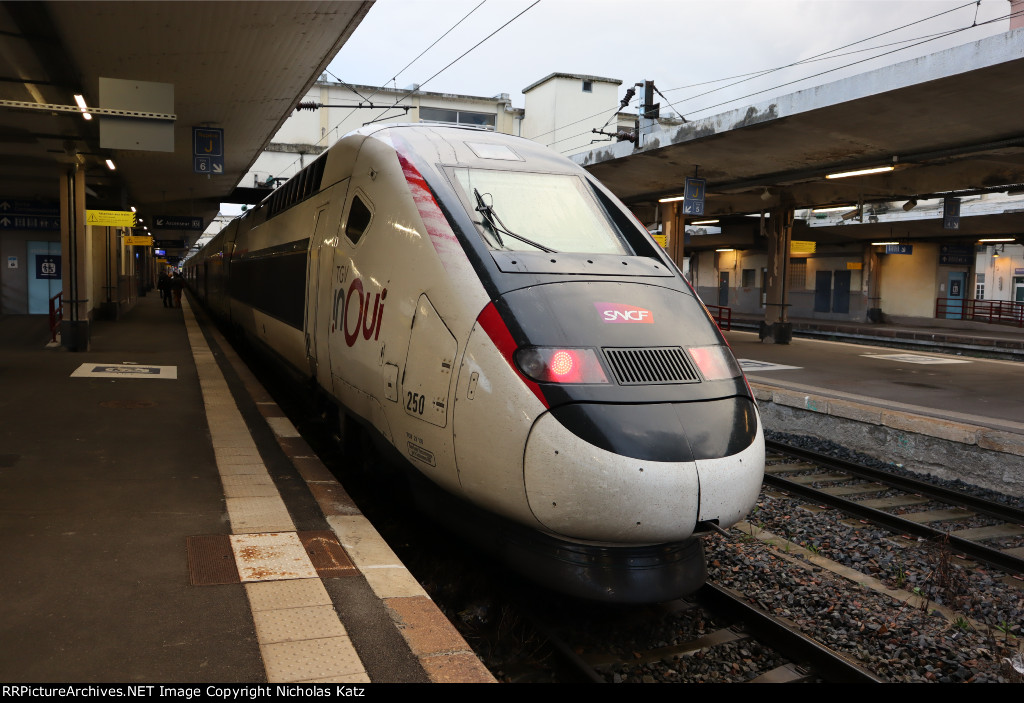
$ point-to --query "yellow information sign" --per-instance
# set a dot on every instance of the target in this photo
(854, 265)
(134, 241)
(798, 247)
(110, 218)
(661, 239)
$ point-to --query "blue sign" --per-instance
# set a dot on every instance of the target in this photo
(178, 222)
(956, 254)
(14, 206)
(951, 213)
(29, 214)
(48, 266)
(207, 150)
(31, 222)
(693, 196)
(899, 248)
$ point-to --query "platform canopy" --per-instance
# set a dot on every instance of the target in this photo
(949, 123)
(240, 67)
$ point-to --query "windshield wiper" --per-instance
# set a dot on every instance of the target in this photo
(492, 221)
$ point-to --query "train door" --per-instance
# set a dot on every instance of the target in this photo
(841, 292)
(319, 267)
(822, 291)
(955, 295)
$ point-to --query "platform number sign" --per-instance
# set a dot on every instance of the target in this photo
(693, 196)
(951, 213)
(208, 150)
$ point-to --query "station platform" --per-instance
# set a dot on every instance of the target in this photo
(966, 336)
(162, 521)
(935, 403)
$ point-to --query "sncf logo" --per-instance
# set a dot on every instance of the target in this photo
(618, 313)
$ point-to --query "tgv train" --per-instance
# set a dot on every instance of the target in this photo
(488, 311)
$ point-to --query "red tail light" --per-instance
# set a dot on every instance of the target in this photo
(715, 363)
(553, 365)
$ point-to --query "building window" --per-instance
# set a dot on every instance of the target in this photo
(440, 115)
(588, 86)
(979, 287)
(797, 274)
(749, 278)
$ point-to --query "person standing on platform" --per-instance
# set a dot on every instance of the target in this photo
(177, 285)
(164, 286)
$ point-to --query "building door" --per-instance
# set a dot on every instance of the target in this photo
(841, 292)
(723, 288)
(1018, 289)
(955, 295)
(44, 275)
(822, 291)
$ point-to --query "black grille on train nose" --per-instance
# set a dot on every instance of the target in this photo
(639, 365)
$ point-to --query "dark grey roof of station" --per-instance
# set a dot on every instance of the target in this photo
(238, 66)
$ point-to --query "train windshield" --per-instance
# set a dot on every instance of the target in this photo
(519, 211)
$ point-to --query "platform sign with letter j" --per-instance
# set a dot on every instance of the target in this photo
(693, 196)
(208, 150)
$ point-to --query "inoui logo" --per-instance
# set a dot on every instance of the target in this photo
(618, 313)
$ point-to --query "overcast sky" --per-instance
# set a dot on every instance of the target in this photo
(681, 45)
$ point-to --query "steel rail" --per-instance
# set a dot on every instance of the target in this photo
(787, 639)
(975, 550)
(981, 505)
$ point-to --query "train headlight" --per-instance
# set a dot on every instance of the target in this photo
(715, 362)
(555, 365)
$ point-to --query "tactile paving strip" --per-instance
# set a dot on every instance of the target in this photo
(271, 556)
(211, 561)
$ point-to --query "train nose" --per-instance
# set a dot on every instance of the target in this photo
(615, 473)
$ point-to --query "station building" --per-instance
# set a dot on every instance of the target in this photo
(561, 110)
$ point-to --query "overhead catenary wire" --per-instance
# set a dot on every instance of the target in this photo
(463, 55)
(916, 42)
(824, 56)
(467, 52)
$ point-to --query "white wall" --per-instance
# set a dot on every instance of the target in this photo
(561, 102)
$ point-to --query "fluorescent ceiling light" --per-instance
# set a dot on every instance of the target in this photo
(725, 250)
(672, 199)
(882, 244)
(110, 165)
(704, 222)
(836, 208)
(1007, 239)
(861, 172)
(83, 107)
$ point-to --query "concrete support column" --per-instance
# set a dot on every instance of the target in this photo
(672, 225)
(874, 267)
(776, 327)
(74, 247)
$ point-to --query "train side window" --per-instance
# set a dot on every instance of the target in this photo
(359, 217)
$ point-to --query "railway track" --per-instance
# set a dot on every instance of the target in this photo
(741, 642)
(907, 506)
